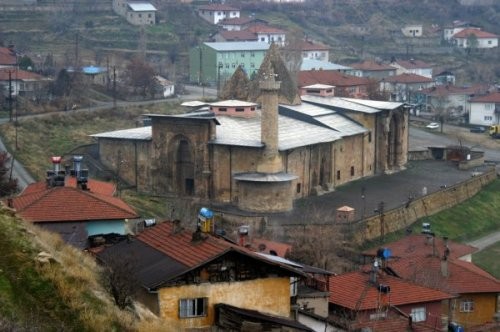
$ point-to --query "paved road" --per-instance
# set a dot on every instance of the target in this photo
(486, 241)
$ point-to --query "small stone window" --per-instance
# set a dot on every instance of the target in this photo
(338, 175)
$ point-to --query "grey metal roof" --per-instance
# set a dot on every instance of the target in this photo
(140, 133)
(293, 133)
(351, 104)
(151, 267)
(239, 46)
(313, 64)
(141, 7)
(329, 118)
(265, 177)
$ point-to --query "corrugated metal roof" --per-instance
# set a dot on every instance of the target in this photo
(141, 133)
(239, 46)
(141, 6)
(293, 133)
(313, 64)
(318, 86)
(351, 104)
(329, 118)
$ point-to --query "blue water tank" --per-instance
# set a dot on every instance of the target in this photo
(206, 213)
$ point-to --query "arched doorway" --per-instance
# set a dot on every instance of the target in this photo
(183, 166)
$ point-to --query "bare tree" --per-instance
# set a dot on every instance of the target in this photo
(140, 75)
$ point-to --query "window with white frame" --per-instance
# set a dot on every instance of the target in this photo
(418, 314)
(488, 106)
(488, 118)
(193, 307)
(467, 305)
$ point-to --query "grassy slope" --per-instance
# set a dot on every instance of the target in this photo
(62, 295)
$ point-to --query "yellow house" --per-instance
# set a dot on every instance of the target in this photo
(185, 276)
(437, 266)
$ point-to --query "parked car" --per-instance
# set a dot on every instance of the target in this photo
(433, 125)
(477, 129)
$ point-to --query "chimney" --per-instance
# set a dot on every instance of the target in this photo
(77, 165)
(374, 271)
(56, 161)
(444, 267)
(176, 226)
(243, 235)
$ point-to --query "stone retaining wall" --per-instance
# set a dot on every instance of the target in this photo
(400, 218)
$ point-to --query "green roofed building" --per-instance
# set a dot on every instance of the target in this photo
(214, 63)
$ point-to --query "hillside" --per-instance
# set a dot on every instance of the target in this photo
(355, 29)
(46, 285)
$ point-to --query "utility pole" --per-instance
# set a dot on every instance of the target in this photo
(10, 95)
(201, 74)
(114, 87)
(76, 50)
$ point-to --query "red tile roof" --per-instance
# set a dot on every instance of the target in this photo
(180, 246)
(463, 277)
(308, 45)
(238, 35)
(413, 64)
(393, 324)
(7, 57)
(19, 74)
(354, 291)
(236, 21)
(330, 77)
(39, 203)
(62, 204)
(421, 245)
(371, 65)
(489, 98)
(445, 90)
(97, 187)
(408, 78)
(478, 33)
(217, 7)
(261, 28)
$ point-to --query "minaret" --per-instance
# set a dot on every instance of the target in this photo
(270, 161)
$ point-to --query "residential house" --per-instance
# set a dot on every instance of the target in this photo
(21, 82)
(165, 87)
(421, 245)
(239, 23)
(195, 279)
(268, 34)
(234, 36)
(455, 27)
(141, 13)
(404, 87)
(450, 98)
(445, 265)
(345, 85)
(312, 64)
(485, 110)
(445, 78)
(72, 205)
(214, 63)
(8, 57)
(96, 75)
(482, 39)
(476, 291)
(376, 299)
(412, 30)
(214, 13)
(136, 12)
(314, 51)
(373, 69)
(412, 66)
